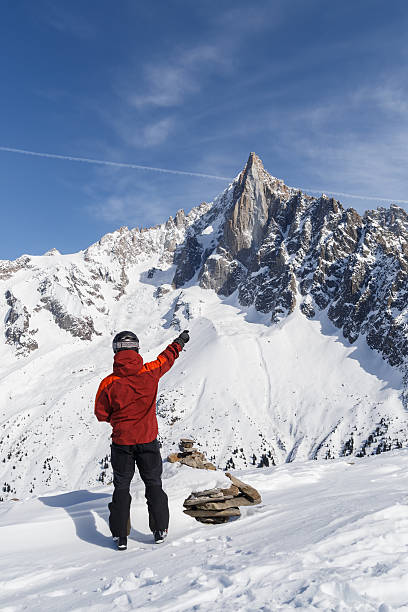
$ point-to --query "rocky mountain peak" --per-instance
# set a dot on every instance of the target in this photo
(258, 202)
(180, 219)
(257, 198)
(273, 250)
(254, 166)
(254, 177)
(52, 252)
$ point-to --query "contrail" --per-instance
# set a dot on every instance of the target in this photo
(357, 197)
(104, 162)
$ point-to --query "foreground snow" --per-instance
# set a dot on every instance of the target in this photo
(330, 536)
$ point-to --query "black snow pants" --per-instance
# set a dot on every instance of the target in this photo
(149, 463)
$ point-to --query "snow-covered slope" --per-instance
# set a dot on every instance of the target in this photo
(329, 535)
(297, 311)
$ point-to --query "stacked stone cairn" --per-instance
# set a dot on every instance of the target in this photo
(219, 505)
(190, 456)
(213, 505)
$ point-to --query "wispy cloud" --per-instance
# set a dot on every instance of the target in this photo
(139, 133)
(156, 99)
(156, 133)
(389, 96)
(168, 83)
(149, 112)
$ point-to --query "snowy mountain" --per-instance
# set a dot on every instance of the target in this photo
(298, 316)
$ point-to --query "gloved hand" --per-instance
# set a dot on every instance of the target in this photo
(183, 338)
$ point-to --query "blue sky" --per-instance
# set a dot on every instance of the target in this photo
(318, 89)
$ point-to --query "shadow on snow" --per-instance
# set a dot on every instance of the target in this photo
(82, 506)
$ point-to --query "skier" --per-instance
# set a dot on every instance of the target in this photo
(127, 400)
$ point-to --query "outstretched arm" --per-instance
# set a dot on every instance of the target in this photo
(166, 359)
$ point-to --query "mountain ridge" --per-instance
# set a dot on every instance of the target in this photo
(280, 289)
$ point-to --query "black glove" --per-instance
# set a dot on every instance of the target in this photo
(183, 338)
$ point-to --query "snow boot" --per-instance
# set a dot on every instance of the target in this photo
(122, 543)
(160, 536)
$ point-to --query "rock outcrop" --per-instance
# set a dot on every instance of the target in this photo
(17, 326)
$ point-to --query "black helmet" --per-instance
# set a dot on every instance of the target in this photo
(124, 341)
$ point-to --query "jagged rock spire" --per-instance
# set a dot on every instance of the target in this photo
(243, 230)
(254, 165)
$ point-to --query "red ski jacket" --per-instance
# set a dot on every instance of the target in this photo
(127, 397)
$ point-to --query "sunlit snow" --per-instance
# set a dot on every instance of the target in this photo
(327, 536)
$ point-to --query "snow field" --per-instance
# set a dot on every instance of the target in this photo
(327, 536)
(247, 392)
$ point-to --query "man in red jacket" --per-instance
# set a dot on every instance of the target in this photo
(127, 400)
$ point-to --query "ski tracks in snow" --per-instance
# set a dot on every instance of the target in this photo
(268, 384)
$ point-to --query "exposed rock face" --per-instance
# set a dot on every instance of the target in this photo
(17, 324)
(278, 247)
(247, 225)
(80, 328)
(180, 314)
(76, 290)
(222, 273)
(187, 260)
(254, 195)
(8, 268)
(79, 293)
